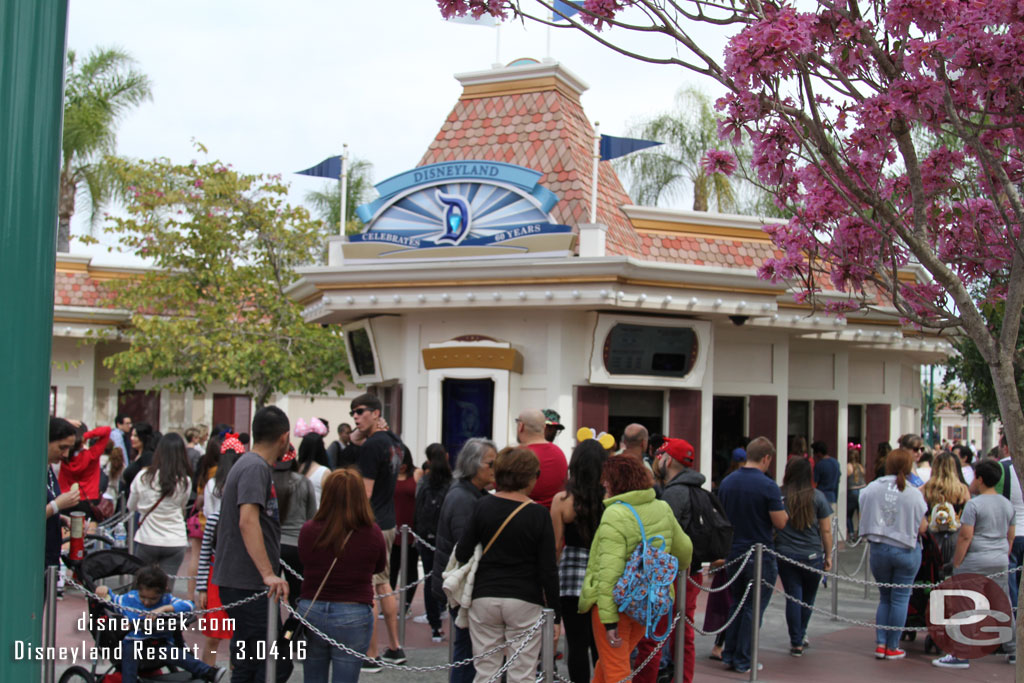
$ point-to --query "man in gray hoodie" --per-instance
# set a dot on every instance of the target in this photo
(673, 463)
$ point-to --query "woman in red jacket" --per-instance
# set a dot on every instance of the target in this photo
(82, 466)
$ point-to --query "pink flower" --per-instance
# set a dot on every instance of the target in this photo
(718, 161)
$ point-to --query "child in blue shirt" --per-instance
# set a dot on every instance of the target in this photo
(145, 606)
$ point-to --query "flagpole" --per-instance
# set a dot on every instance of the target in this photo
(551, 19)
(343, 189)
(597, 158)
(497, 45)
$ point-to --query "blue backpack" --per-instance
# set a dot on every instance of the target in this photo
(644, 591)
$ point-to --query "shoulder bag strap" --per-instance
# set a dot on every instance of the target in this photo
(1007, 481)
(148, 513)
(643, 532)
(502, 527)
(327, 575)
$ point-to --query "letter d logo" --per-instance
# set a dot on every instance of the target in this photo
(967, 614)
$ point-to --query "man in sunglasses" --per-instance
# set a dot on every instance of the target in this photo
(379, 457)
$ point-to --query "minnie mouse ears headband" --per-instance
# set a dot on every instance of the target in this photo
(315, 426)
(851, 445)
(231, 443)
(604, 438)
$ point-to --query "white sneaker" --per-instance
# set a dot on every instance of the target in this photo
(420, 619)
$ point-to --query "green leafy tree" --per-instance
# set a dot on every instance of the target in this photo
(214, 308)
(359, 190)
(97, 94)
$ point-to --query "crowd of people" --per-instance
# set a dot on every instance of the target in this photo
(529, 526)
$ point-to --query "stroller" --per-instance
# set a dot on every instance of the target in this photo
(105, 564)
(933, 570)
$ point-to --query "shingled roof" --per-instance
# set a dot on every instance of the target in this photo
(530, 115)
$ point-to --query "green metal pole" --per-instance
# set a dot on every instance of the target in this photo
(33, 34)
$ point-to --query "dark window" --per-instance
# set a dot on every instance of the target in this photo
(141, 406)
(234, 410)
(649, 350)
(467, 411)
(362, 352)
(799, 423)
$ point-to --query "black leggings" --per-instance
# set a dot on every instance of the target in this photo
(411, 573)
(579, 638)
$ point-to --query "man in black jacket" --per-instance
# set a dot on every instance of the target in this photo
(473, 474)
(674, 461)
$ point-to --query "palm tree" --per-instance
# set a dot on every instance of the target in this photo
(359, 190)
(669, 170)
(97, 94)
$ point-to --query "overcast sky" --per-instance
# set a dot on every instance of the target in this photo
(278, 86)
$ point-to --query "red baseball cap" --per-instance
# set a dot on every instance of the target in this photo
(679, 449)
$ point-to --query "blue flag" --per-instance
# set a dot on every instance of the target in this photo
(328, 168)
(613, 148)
(565, 9)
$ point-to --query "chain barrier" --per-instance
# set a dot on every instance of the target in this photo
(743, 557)
(860, 565)
(732, 617)
(864, 582)
(526, 636)
(421, 540)
(709, 589)
(378, 597)
(192, 613)
(843, 619)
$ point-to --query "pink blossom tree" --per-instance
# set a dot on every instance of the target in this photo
(892, 129)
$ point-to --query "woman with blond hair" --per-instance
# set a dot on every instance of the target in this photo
(893, 516)
(341, 549)
(945, 486)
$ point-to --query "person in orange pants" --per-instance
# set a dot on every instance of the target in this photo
(614, 647)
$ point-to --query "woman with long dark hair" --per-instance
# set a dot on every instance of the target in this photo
(313, 461)
(159, 494)
(341, 549)
(430, 495)
(204, 468)
(893, 515)
(405, 513)
(575, 515)
(296, 505)
(806, 538)
(143, 440)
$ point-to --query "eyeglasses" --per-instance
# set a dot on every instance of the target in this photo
(357, 412)
(920, 449)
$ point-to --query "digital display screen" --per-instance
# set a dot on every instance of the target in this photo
(362, 352)
(633, 349)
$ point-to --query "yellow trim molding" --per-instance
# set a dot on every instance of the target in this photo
(473, 357)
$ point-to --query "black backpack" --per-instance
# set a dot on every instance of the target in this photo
(428, 510)
(709, 529)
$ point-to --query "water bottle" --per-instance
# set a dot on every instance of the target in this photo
(120, 535)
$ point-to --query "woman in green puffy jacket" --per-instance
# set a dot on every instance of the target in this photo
(625, 479)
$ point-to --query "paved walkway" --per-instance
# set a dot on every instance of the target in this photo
(838, 653)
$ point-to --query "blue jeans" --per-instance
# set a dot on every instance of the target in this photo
(462, 648)
(1016, 560)
(348, 623)
(130, 665)
(801, 584)
(890, 564)
(737, 637)
(250, 638)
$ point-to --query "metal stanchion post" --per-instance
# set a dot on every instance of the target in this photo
(547, 645)
(451, 633)
(272, 625)
(680, 634)
(755, 623)
(50, 623)
(403, 579)
(867, 568)
(131, 533)
(835, 569)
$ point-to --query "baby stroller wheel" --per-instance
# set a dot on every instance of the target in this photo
(77, 674)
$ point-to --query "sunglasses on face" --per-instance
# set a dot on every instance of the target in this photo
(358, 411)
